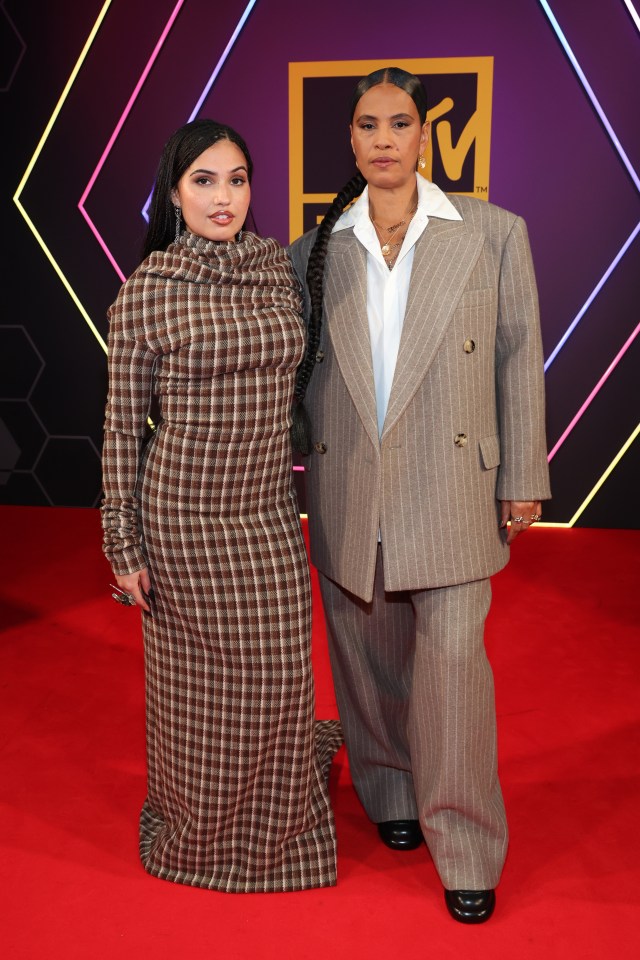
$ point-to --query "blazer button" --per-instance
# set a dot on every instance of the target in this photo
(319, 356)
(468, 346)
(320, 447)
(460, 440)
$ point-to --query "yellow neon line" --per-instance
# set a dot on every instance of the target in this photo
(34, 159)
(614, 463)
(64, 280)
(65, 93)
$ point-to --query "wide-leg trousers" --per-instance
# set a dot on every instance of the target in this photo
(415, 694)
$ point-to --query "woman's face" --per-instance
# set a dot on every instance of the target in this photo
(387, 136)
(214, 192)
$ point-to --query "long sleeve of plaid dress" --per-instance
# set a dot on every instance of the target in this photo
(131, 362)
(237, 796)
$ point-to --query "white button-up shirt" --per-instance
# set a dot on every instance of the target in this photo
(388, 290)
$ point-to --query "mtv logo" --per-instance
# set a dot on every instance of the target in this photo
(459, 91)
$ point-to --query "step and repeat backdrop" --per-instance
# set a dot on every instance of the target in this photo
(532, 107)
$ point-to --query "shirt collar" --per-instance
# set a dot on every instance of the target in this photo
(432, 202)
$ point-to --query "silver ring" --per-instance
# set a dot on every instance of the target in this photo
(517, 519)
(121, 596)
(535, 517)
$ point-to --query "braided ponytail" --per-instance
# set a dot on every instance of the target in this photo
(301, 427)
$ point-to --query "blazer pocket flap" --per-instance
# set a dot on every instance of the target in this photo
(490, 451)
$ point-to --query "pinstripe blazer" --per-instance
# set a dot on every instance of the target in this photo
(465, 422)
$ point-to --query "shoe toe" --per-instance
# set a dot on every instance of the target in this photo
(401, 834)
(470, 906)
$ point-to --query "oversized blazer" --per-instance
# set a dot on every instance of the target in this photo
(465, 424)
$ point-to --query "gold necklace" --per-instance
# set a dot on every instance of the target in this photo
(385, 245)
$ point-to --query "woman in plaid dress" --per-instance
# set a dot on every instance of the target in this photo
(201, 528)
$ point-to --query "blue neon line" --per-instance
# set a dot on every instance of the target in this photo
(621, 153)
(592, 296)
(594, 100)
(212, 79)
(221, 61)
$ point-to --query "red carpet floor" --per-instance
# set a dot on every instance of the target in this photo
(564, 640)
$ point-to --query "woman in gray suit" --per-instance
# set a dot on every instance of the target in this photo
(426, 458)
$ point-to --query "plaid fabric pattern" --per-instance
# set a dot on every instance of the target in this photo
(237, 766)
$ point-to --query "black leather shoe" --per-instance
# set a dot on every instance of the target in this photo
(470, 906)
(401, 834)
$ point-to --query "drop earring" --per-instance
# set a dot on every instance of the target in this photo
(421, 162)
(178, 213)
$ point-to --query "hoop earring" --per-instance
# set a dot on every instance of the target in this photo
(178, 213)
(421, 162)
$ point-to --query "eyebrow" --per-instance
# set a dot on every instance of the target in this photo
(215, 172)
(395, 116)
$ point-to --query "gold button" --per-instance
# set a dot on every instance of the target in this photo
(460, 440)
(319, 356)
(320, 447)
(468, 346)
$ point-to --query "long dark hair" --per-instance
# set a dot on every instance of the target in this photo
(301, 429)
(180, 151)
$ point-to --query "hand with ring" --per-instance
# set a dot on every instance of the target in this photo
(519, 515)
(133, 589)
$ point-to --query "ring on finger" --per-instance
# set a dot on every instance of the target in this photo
(123, 597)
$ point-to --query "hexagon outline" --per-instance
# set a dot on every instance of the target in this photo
(20, 326)
(23, 48)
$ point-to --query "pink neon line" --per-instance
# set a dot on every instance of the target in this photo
(605, 376)
(116, 132)
(108, 253)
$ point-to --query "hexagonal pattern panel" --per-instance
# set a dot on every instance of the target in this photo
(20, 362)
(12, 48)
(9, 452)
(69, 471)
(22, 431)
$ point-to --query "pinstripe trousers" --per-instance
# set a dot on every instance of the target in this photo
(415, 694)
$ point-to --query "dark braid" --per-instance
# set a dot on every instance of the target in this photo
(301, 428)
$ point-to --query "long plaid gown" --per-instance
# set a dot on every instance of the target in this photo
(237, 796)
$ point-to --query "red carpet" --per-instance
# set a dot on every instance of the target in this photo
(564, 640)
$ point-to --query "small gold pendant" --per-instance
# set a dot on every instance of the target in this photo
(386, 250)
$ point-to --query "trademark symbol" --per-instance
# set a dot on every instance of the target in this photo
(481, 189)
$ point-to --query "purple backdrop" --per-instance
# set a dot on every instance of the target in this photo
(552, 161)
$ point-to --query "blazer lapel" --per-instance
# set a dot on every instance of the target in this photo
(444, 257)
(346, 296)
